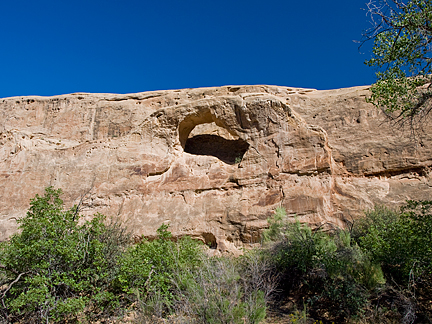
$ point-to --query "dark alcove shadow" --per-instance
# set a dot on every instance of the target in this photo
(228, 151)
(210, 240)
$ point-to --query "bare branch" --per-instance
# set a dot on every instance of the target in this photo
(11, 284)
(80, 202)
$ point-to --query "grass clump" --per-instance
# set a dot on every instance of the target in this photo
(179, 281)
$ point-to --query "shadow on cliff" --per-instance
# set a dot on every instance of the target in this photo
(228, 151)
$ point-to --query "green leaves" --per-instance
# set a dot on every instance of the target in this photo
(277, 224)
(399, 240)
(60, 269)
(336, 275)
(149, 267)
(56, 267)
(402, 55)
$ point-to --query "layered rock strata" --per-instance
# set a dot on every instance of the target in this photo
(212, 162)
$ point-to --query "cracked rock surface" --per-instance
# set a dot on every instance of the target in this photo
(213, 162)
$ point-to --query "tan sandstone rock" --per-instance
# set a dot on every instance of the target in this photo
(212, 162)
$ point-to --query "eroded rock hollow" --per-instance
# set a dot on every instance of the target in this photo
(212, 162)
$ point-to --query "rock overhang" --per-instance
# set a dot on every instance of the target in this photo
(324, 156)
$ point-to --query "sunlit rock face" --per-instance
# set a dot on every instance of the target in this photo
(212, 162)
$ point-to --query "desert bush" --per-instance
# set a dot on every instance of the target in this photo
(277, 226)
(153, 271)
(218, 294)
(258, 273)
(401, 242)
(177, 281)
(327, 270)
(55, 268)
(59, 268)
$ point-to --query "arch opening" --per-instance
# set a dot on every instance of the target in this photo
(211, 139)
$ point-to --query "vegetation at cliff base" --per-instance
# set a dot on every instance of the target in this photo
(55, 268)
(61, 268)
(376, 271)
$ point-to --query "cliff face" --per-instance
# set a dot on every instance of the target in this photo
(213, 162)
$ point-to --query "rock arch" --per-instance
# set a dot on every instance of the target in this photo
(204, 134)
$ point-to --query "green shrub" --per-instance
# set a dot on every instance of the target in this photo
(59, 268)
(218, 294)
(277, 226)
(401, 241)
(332, 274)
(150, 270)
(54, 268)
(178, 280)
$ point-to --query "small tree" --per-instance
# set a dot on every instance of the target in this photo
(401, 241)
(148, 270)
(326, 269)
(55, 268)
(402, 35)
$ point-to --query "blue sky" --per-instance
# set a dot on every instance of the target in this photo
(121, 46)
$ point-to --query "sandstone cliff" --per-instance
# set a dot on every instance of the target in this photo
(213, 162)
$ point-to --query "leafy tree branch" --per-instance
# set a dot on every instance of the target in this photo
(402, 55)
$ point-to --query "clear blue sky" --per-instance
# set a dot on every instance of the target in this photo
(52, 47)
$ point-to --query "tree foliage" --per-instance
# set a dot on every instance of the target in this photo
(401, 241)
(62, 269)
(331, 273)
(56, 268)
(402, 35)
